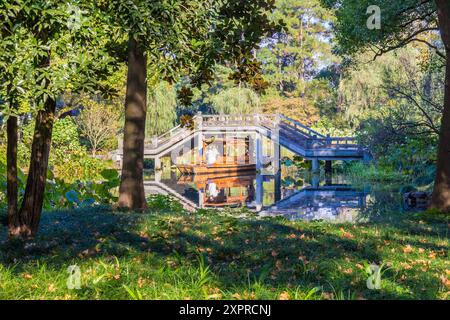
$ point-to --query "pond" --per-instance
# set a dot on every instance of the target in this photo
(294, 193)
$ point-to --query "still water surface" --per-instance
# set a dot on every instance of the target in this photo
(294, 193)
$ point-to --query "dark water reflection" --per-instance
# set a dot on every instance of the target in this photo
(293, 194)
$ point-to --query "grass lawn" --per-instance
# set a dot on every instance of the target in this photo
(169, 254)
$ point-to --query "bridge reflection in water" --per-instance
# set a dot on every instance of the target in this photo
(266, 194)
(236, 161)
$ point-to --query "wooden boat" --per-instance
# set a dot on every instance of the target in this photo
(230, 168)
(229, 164)
(228, 191)
(235, 178)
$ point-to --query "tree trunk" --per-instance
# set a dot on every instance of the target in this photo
(441, 192)
(31, 209)
(131, 191)
(11, 170)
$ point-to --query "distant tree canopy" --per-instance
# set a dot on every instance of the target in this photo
(297, 108)
(98, 123)
(402, 22)
(407, 82)
(236, 101)
(294, 56)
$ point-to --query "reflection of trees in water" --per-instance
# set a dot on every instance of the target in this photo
(381, 205)
(292, 182)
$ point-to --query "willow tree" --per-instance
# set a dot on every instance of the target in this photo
(177, 37)
(402, 22)
(162, 104)
(236, 101)
(63, 55)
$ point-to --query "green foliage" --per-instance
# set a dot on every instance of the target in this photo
(189, 38)
(161, 110)
(236, 101)
(42, 30)
(73, 194)
(69, 160)
(65, 135)
(405, 83)
(359, 173)
(335, 126)
(393, 105)
(60, 194)
(163, 203)
(294, 56)
(402, 22)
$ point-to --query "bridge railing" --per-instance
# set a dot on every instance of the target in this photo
(222, 120)
(156, 141)
(334, 143)
(301, 127)
(315, 139)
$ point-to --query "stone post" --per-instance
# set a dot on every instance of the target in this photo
(315, 165)
(154, 142)
(157, 169)
(199, 147)
(259, 192)
(259, 151)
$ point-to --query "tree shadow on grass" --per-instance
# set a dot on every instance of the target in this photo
(239, 252)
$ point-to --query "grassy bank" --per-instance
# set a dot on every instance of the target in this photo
(229, 255)
(358, 172)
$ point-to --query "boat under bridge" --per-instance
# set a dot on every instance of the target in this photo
(224, 160)
(192, 141)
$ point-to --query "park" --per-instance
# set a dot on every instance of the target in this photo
(224, 150)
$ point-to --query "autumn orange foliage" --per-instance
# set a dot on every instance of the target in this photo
(299, 109)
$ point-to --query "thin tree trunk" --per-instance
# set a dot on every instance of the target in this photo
(11, 169)
(31, 209)
(441, 192)
(131, 191)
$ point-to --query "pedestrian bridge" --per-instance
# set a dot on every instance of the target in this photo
(276, 128)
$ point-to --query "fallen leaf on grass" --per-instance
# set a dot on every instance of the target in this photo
(445, 281)
(279, 264)
(236, 296)
(407, 249)
(346, 235)
(284, 296)
(348, 271)
(406, 266)
(303, 259)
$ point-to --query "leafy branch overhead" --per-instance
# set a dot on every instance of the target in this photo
(403, 22)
